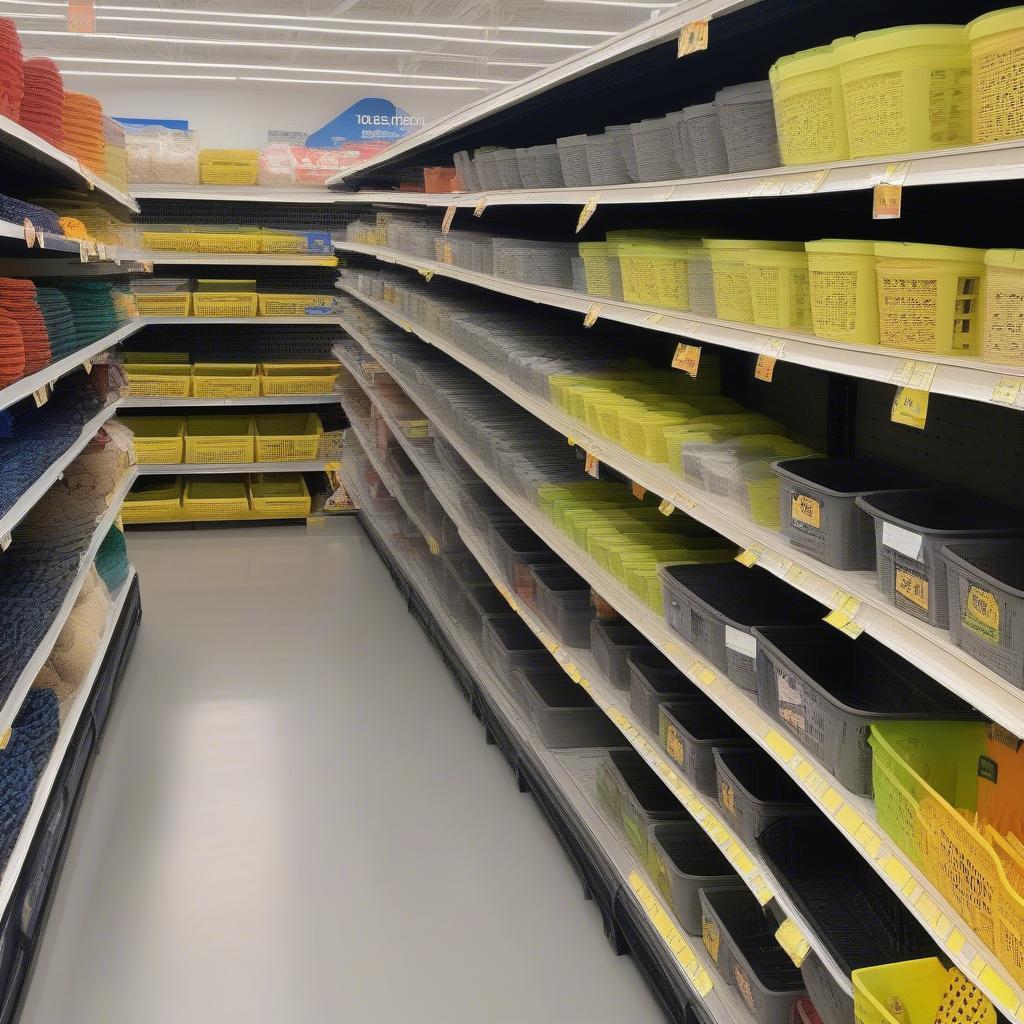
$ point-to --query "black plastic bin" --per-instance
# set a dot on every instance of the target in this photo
(715, 608)
(508, 643)
(562, 600)
(860, 921)
(653, 680)
(563, 712)
(515, 549)
(826, 689)
(690, 732)
(458, 570)
(475, 601)
(612, 641)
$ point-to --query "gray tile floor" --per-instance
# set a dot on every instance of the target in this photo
(294, 819)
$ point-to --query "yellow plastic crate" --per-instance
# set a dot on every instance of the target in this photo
(235, 242)
(272, 304)
(224, 497)
(779, 290)
(655, 275)
(844, 290)
(158, 380)
(158, 439)
(153, 499)
(219, 439)
(1003, 335)
(997, 70)
(239, 304)
(302, 378)
(225, 380)
(164, 303)
(919, 989)
(289, 242)
(729, 274)
(170, 241)
(228, 166)
(288, 437)
(178, 358)
(279, 495)
(807, 94)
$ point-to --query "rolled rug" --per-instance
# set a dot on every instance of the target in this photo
(18, 301)
(17, 787)
(59, 320)
(12, 351)
(12, 73)
(18, 210)
(112, 559)
(36, 726)
(42, 108)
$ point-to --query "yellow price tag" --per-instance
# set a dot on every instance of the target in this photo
(793, 941)
(910, 408)
(432, 546)
(5, 541)
(481, 205)
(886, 202)
(41, 396)
(426, 274)
(654, 319)
(693, 37)
(592, 466)
(587, 212)
(687, 359)
(638, 492)
(593, 312)
(446, 222)
(1008, 392)
(844, 623)
(749, 558)
(666, 508)
(770, 355)
(30, 233)
(5, 738)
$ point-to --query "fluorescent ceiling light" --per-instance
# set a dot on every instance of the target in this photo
(406, 34)
(617, 3)
(315, 18)
(289, 81)
(274, 67)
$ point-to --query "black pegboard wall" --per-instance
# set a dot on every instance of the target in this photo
(237, 343)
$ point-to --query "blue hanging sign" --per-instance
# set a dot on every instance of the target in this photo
(371, 119)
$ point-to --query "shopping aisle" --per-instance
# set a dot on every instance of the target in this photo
(294, 817)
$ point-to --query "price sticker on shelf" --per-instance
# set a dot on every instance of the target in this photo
(5, 738)
(147, 266)
(687, 359)
(654, 319)
(30, 233)
(41, 396)
(592, 466)
(1009, 392)
(446, 222)
(5, 541)
(750, 557)
(83, 252)
(886, 202)
(425, 274)
(770, 355)
(432, 546)
(481, 205)
(101, 250)
(666, 508)
(87, 366)
(593, 312)
(914, 373)
(693, 37)
(587, 211)
(910, 408)
(844, 622)
(793, 941)
(639, 492)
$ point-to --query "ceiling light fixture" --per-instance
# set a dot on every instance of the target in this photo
(272, 67)
(290, 81)
(616, 3)
(326, 81)
(315, 18)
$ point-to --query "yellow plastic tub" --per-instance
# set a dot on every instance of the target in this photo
(906, 89)
(232, 304)
(153, 499)
(234, 242)
(165, 240)
(656, 274)
(158, 380)
(598, 265)
(225, 380)
(273, 304)
(288, 437)
(930, 297)
(1002, 337)
(279, 495)
(808, 96)
(843, 290)
(228, 166)
(222, 497)
(219, 439)
(729, 274)
(164, 303)
(997, 75)
(779, 290)
(914, 990)
(302, 378)
(158, 439)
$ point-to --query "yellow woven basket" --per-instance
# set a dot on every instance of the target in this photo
(153, 500)
(219, 439)
(158, 439)
(224, 497)
(225, 380)
(158, 380)
(288, 437)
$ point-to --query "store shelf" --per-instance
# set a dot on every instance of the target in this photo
(221, 468)
(961, 378)
(634, 41)
(252, 321)
(222, 259)
(573, 774)
(233, 193)
(16, 697)
(52, 249)
(21, 149)
(48, 374)
(10, 519)
(133, 402)
(68, 730)
(928, 647)
(853, 815)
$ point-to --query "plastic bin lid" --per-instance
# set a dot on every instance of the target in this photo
(942, 511)
(920, 251)
(901, 37)
(747, 92)
(1009, 20)
(849, 246)
(804, 62)
(1013, 258)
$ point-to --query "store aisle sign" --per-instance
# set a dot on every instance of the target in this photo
(372, 119)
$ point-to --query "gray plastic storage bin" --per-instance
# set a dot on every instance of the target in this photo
(628, 151)
(911, 527)
(635, 797)
(547, 166)
(486, 166)
(612, 641)
(458, 570)
(572, 154)
(700, 280)
(467, 171)
(683, 859)
(690, 732)
(819, 510)
(563, 712)
(754, 792)
(655, 153)
(516, 548)
(716, 606)
(507, 644)
(579, 275)
(654, 680)
(682, 147)
(747, 117)
(476, 601)
(740, 936)
(705, 131)
(562, 600)
(833, 1004)
(827, 689)
(986, 603)
(605, 159)
(507, 163)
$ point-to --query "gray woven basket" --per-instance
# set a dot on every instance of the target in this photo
(747, 119)
(706, 138)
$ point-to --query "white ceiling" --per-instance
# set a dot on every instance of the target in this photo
(472, 39)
